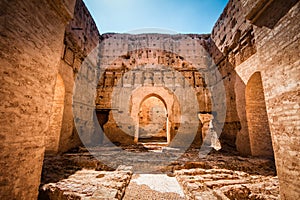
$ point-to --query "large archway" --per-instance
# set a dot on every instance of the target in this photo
(165, 100)
(257, 119)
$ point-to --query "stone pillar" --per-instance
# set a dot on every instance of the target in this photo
(209, 135)
(205, 120)
(168, 130)
(136, 133)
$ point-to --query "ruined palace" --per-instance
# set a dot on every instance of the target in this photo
(92, 115)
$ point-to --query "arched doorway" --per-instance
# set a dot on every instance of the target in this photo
(153, 120)
(171, 106)
(257, 119)
(53, 134)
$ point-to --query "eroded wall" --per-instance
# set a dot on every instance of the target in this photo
(152, 63)
(257, 36)
(56, 117)
(251, 36)
(81, 38)
(32, 34)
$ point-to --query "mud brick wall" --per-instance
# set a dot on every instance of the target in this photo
(263, 49)
(178, 63)
(32, 34)
(253, 54)
(81, 38)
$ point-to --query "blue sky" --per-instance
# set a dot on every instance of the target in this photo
(182, 16)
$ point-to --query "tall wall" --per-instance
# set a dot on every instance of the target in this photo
(41, 57)
(32, 33)
(232, 43)
(81, 38)
(179, 64)
(263, 36)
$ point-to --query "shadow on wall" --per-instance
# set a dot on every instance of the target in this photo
(235, 130)
(268, 13)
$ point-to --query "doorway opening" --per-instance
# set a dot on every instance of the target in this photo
(153, 121)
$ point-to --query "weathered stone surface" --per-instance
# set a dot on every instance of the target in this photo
(81, 38)
(88, 184)
(216, 174)
(252, 53)
(30, 44)
(269, 46)
(227, 184)
(152, 63)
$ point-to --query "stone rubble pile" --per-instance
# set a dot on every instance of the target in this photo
(89, 184)
(227, 184)
(220, 175)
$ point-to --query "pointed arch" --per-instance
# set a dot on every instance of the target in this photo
(257, 119)
(139, 95)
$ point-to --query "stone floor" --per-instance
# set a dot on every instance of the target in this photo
(149, 172)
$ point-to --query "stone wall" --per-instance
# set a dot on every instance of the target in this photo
(232, 43)
(32, 34)
(57, 110)
(247, 72)
(179, 64)
(263, 37)
(81, 38)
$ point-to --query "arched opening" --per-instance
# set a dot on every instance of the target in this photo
(170, 102)
(257, 119)
(153, 120)
(53, 134)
